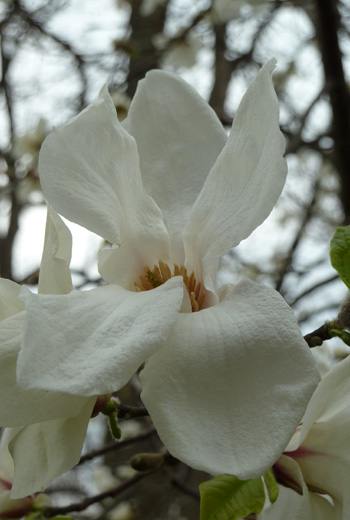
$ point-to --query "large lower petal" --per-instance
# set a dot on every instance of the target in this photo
(42, 452)
(17, 406)
(92, 342)
(90, 173)
(232, 383)
(244, 183)
(178, 138)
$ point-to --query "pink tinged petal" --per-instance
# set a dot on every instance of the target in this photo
(10, 508)
(42, 452)
(244, 183)
(54, 276)
(179, 139)
(294, 506)
(92, 342)
(18, 406)
(324, 439)
(231, 384)
(9, 302)
(89, 171)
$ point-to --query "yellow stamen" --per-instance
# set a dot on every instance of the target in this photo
(162, 273)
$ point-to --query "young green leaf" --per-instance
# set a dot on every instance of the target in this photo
(342, 334)
(227, 498)
(271, 485)
(340, 253)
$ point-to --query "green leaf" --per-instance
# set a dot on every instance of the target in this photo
(60, 517)
(342, 334)
(227, 498)
(340, 253)
(271, 485)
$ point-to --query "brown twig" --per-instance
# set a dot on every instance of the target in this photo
(114, 446)
(80, 506)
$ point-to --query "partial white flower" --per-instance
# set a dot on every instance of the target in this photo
(317, 459)
(226, 380)
(50, 426)
(182, 53)
(225, 10)
(149, 6)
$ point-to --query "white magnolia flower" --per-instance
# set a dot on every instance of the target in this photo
(317, 460)
(227, 377)
(47, 428)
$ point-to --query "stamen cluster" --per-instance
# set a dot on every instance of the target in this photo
(161, 273)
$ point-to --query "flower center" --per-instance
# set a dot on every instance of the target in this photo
(161, 273)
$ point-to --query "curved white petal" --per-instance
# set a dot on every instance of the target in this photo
(18, 406)
(178, 138)
(89, 172)
(229, 388)
(41, 452)
(292, 506)
(324, 453)
(6, 461)
(92, 342)
(54, 276)
(10, 508)
(244, 183)
(324, 459)
(9, 302)
(330, 401)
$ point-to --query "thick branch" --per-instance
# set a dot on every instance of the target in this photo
(327, 26)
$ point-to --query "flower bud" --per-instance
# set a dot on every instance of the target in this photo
(147, 461)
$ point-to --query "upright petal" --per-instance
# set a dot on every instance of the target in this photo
(92, 342)
(179, 139)
(89, 171)
(42, 452)
(244, 183)
(9, 302)
(54, 276)
(232, 383)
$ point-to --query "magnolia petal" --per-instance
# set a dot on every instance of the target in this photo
(179, 139)
(10, 508)
(244, 183)
(54, 276)
(41, 452)
(6, 461)
(324, 460)
(330, 400)
(19, 407)
(92, 342)
(324, 444)
(89, 172)
(229, 388)
(9, 302)
(293, 506)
